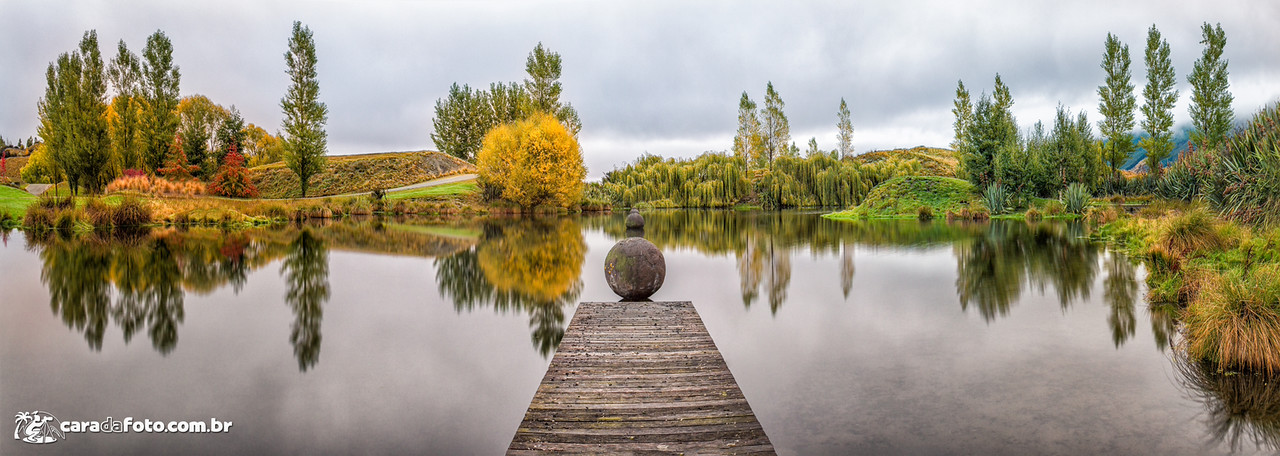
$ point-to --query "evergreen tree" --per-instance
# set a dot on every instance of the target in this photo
(776, 130)
(747, 143)
(231, 136)
(305, 140)
(160, 80)
(1116, 103)
(1007, 125)
(1160, 97)
(977, 158)
(73, 120)
(963, 111)
(845, 126)
(543, 88)
(1210, 92)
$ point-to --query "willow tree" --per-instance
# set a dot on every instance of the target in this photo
(305, 140)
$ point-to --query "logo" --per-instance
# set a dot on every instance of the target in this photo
(37, 427)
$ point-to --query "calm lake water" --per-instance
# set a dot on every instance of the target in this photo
(417, 337)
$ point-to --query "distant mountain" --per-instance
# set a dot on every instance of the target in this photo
(1181, 137)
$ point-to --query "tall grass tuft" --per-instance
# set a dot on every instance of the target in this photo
(1189, 233)
(1075, 198)
(99, 214)
(1234, 320)
(54, 202)
(996, 199)
(39, 217)
(131, 213)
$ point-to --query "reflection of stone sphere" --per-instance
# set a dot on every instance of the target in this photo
(635, 268)
(635, 220)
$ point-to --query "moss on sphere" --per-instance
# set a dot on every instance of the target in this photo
(635, 269)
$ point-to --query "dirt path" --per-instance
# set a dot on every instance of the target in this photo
(37, 189)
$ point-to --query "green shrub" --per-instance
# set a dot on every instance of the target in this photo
(66, 220)
(1075, 198)
(924, 213)
(996, 198)
(1245, 180)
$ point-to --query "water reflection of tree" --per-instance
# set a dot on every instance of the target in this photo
(306, 271)
(1240, 407)
(148, 274)
(765, 242)
(993, 267)
(532, 266)
(1120, 290)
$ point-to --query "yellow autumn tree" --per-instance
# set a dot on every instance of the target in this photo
(532, 162)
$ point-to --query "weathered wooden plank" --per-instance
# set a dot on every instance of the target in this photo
(638, 378)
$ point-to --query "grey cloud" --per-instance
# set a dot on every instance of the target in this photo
(660, 76)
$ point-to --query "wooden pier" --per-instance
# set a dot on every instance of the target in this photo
(639, 378)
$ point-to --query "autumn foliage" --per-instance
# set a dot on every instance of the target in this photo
(532, 162)
(233, 178)
(176, 166)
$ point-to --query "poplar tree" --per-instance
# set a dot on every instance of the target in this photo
(160, 80)
(1210, 92)
(1116, 103)
(845, 126)
(543, 88)
(747, 143)
(775, 127)
(305, 140)
(461, 121)
(1160, 97)
(128, 138)
(73, 116)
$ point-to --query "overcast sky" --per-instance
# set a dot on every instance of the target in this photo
(654, 76)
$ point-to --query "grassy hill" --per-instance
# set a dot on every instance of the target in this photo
(903, 196)
(360, 173)
(936, 161)
(14, 201)
(13, 168)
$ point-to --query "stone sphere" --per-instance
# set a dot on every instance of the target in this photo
(635, 269)
(635, 220)
(633, 232)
